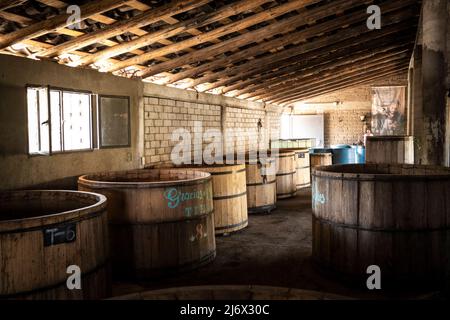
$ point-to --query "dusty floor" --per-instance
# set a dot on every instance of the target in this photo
(275, 250)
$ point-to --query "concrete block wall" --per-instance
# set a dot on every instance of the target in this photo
(273, 124)
(343, 127)
(245, 122)
(343, 109)
(162, 116)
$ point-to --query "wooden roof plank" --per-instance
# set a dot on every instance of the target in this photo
(372, 80)
(357, 81)
(205, 37)
(206, 53)
(173, 30)
(319, 48)
(304, 17)
(271, 61)
(329, 81)
(321, 63)
(339, 71)
(61, 21)
(7, 4)
(123, 26)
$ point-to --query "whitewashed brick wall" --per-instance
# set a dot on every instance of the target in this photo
(163, 116)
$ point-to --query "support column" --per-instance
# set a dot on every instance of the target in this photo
(409, 103)
(417, 105)
(434, 72)
(447, 143)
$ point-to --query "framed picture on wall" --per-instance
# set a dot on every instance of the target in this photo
(389, 111)
(114, 122)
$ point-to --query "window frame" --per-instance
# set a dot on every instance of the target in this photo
(91, 118)
(99, 123)
(61, 92)
(37, 154)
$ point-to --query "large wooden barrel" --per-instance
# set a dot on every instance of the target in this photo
(390, 149)
(261, 184)
(302, 167)
(321, 159)
(391, 216)
(43, 235)
(229, 194)
(161, 221)
(231, 293)
(286, 182)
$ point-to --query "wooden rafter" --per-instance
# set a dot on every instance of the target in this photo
(304, 18)
(173, 30)
(370, 79)
(336, 80)
(7, 4)
(328, 47)
(345, 55)
(220, 48)
(119, 27)
(276, 51)
(61, 21)
(339, 71)
(66, 31)
(207, 36)
(232, 75)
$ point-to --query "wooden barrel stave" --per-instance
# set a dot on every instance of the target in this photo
(185, 254)
(286, 182)
(391, 230)
(321, 159)
(390, 149)
(153, 214)
(229, 195)
(302, 167)
(40, 271)
(261, 186)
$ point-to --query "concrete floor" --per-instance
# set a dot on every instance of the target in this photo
(275, 250)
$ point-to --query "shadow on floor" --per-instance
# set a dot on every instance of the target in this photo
(275, 250)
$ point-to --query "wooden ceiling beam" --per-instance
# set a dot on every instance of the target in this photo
(339, 70)
(270, 62)
(332, 78)
(345, 37)
(66, 31)
(329, 81)
(345, 57)
(306, 17)
(172, 30)
(345, 85)
(61, 21)
(282, 26)
(205, 37)
(7, 4)
(336, 47)
(120, 27)
(298, 37)
(260, 90)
